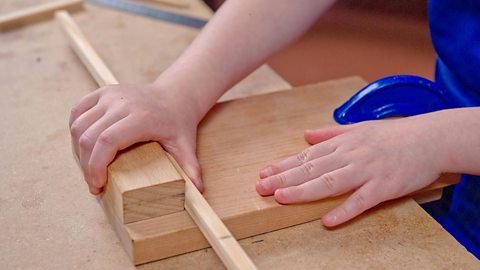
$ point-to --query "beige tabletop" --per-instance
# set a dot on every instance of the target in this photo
(49, 220)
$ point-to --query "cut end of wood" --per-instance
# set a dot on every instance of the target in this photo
(143, 184)
(153, 201)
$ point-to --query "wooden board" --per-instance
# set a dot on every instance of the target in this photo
(398, 235)
(236, 140)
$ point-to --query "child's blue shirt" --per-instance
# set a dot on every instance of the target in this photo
(455, 31)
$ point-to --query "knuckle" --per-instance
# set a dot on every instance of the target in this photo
(359, 201)
(329, 182)
(75, 129)
(307, 168)
(84, 142)
(282, 180)
(105, 138)
(303, 156)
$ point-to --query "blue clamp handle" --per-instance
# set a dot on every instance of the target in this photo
(400, 95)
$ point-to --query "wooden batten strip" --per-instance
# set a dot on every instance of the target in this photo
(37, 13)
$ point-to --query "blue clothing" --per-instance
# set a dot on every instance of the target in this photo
(455, 32)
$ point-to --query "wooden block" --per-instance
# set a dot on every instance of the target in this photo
(37, 13)
(236, 139)
(142, 183)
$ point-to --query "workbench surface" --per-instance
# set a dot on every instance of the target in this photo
(48, 218)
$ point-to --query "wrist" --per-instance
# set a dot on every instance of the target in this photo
(445, 129)
(182, 97)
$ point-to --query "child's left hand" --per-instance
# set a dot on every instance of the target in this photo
(378, 160)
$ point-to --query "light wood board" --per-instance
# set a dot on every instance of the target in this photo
(236, 140)
(398, 235)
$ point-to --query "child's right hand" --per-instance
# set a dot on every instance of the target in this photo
(116, 116)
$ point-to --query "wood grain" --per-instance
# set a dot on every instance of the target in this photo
(236, 140)
(397, 235)
(37, 13)
(222, 241)
(152, 198)
(136, 188)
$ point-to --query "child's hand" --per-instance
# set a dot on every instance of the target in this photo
(378, 160)
(117, 116)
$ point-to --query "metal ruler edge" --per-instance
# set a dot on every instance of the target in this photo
(151, 12)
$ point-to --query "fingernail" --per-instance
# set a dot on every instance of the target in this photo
(191, 172)
(266, 185)
(96, 182)
(284, 193)
(330, 219)
(266, 172)
(93, 190)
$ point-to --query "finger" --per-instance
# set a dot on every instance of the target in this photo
(90, 136)
(311, 153)
(85, 104)
(94, 190)
(184, 154)
(323, 134)
(117, 137)
(299, 175)
(361, 200)
(328, 185)
(82, 123)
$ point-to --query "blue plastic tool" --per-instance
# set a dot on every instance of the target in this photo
(400, 95)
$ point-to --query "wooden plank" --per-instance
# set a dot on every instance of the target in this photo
(222, 241)
(120, 172)
(397, 235)
(136, 187)
(37, 13)
(236, 140)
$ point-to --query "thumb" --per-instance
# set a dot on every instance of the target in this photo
(319, 135)
(184, 154)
